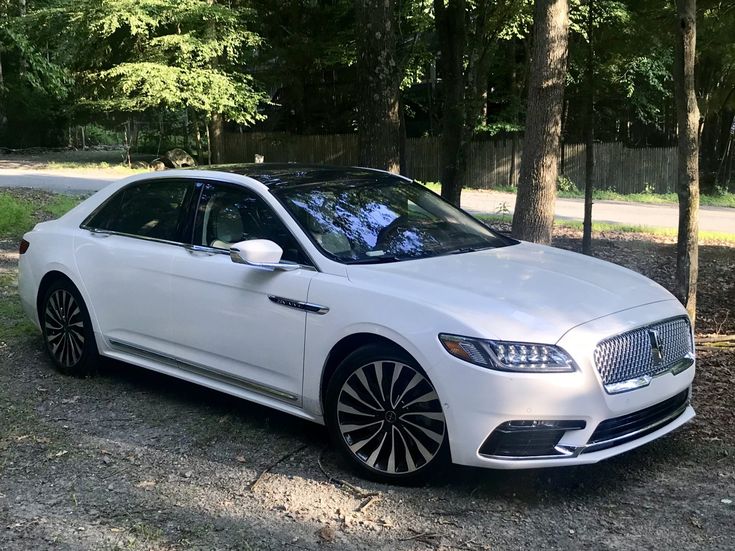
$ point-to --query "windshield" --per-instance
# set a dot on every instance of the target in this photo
(388, 220)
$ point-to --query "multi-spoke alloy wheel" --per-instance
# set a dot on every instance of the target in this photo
(66, 329)
(389, 417)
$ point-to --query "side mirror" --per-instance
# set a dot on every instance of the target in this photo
(260, 253)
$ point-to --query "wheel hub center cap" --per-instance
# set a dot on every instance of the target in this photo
(391, 416)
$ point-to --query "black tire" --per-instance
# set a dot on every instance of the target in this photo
(384, 415)
(67, 330)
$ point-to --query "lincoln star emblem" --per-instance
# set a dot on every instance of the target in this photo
(657, 347)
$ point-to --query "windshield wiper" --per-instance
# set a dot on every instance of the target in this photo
(376, 260)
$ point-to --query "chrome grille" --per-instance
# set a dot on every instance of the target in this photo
(631, 354)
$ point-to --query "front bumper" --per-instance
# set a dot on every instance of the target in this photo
(478, 401)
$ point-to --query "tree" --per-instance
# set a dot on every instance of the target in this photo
(467, 34)
(152, 56)
(378, 81)
(533, 218)
(589, 131)
(687, 116)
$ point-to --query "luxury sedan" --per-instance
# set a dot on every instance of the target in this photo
(361, 300)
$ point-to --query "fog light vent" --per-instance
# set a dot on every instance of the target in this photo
(528, 438)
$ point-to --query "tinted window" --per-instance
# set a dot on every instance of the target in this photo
(370, 221)
(152, 209)
(227, 215)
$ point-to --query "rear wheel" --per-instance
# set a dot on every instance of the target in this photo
(67, 330)
(385, 415)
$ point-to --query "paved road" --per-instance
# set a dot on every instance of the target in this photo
(719, 219)
(60, 181)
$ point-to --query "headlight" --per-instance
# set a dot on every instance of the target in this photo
(509, 356)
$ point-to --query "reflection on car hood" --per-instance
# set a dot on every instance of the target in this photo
(522, 292)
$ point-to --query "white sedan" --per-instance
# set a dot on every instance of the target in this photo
(361, 300)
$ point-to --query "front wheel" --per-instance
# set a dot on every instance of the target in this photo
(385, 415)
(67, 330)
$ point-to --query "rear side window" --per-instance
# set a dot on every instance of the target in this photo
(153, 209)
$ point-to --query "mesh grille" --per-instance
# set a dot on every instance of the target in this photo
(630, 355)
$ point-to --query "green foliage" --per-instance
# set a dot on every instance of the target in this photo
(489, 130)
(564, 184)
(138, 56)
(16, 216)
(61, 204)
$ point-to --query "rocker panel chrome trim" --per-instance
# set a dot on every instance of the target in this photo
(204, 371)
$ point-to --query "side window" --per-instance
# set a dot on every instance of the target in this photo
(227, 215)
(154, 209)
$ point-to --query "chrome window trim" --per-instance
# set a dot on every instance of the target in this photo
(95, 231)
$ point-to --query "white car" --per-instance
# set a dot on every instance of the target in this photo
(361, 300)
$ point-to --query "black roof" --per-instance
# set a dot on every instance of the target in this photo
(296, 174)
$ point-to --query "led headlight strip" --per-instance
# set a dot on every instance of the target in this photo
(509, 356)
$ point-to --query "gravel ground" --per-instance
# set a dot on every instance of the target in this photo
(131, 459)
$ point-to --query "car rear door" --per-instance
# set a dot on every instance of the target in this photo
(125, 256)
(237, 323)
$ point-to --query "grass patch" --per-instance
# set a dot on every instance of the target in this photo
(16, 215)
(61, 204)
(13, 321)
(625, 228)
(726, 199)
(718, 200)
(19, 214)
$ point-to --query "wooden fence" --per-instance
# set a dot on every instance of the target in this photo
(617, 168)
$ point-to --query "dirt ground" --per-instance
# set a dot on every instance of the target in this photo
(131, 459)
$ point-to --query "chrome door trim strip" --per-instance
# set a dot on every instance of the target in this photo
(299, 305)
(204, 371)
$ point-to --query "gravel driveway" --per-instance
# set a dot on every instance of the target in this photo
(131, 459)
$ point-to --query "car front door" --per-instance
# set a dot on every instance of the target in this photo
(237, 323)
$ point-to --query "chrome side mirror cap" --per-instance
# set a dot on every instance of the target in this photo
(260, 253)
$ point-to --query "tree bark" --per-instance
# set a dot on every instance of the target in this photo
(216, 138)
(533, 218)
(687, 117)
(452, 33)
(378, 117)
(589, 132)
(3, 118)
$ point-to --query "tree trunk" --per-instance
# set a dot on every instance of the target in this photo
(23, 9)
(533, 219)
(198, 140)
(450, 26)
(3, 118)
(378, 118)
(589, 132)
(216, 139)
(687, 116)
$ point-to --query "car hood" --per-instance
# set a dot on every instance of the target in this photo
(522, 292)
